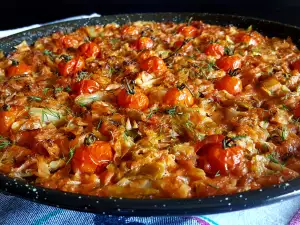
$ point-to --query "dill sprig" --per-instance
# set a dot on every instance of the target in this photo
(4, 142)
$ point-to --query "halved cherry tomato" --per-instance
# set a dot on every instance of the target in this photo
(144, 43)
(153, 64)
(129, 30)
(214, 50)
(297, 111)
(89, 49)
(229, 62)
(7, 118)
(85, 87)
(188, 31)
(20, 69)
(68, 41)
(71, 67)
(296, 65)
(213, 158)
(231, 84)
(87, 158)
(245, 38)
(138, 100)
(175, 96)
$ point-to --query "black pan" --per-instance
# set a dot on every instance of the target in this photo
(148, 207)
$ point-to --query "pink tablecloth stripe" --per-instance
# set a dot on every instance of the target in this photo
(296, 219)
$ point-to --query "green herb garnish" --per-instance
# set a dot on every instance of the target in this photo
(71, 154)
(4, 142)
(273, 159)
(99, 124)
(82, 75)
(285, 107)
(90, 139)
(14, 62)
(34, 98)
(284, 133)
(66, 57)
(228, 51)
(68, 89)
(46, 112)
(171, 111)
(45, 90)
(217, 173)
(50, 54)
(213, 186)
(152, 111)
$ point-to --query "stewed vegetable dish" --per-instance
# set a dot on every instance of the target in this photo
(151, 110)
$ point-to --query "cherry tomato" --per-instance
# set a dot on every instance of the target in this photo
(153, 64)
(21, 68)
(129, 31)
(87, 158)
(232, 85)
(85, 87)
(71, 67)
(174, 96)
(296, 65)
(138, 100)
(7, 118)
(245, 38)
(213, 158)
(211, 139)
(214, 50)
(69, 41)
(144, 43)
(229, 62)
(143, 56)
(89, 49)
(188, 31)
(297, 111)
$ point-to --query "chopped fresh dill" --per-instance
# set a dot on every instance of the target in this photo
(34, 98)
(71, 153)
(4, 142)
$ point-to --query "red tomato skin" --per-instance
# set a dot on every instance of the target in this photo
(229, 63)
(153, 64)
(68, 41)
(296, 65)
(129, 31)
(71, 67)
(21, 68)
(214, 50)
(144, 43)
(214, 159)
(297, 111)
(7, 118)
(232, 85)
(178, 97)
(188, 31)
(85, 87)
(246, 38)
(89, 49)
(137, 101)
(211, 139)
(88, 158)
